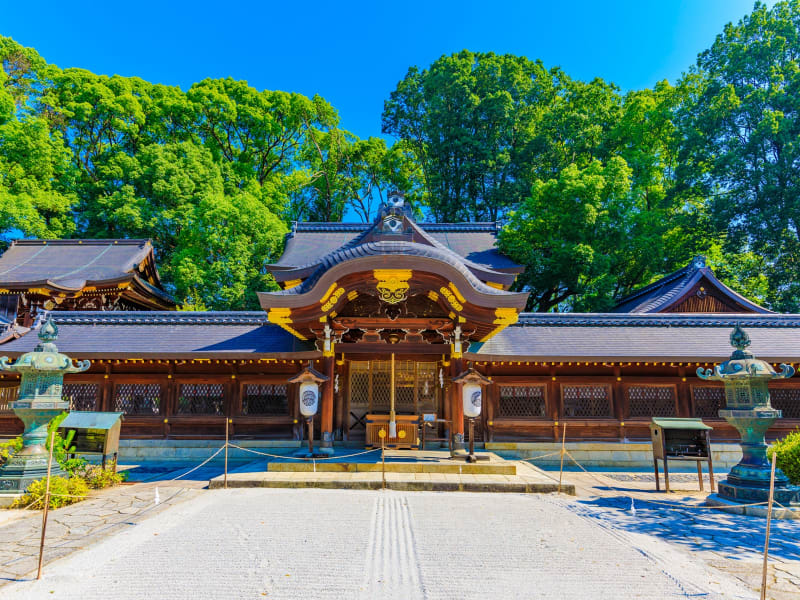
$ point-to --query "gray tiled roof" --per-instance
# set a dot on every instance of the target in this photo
(164, 334)
(473, 241)
(659, 295)
(637, 337)
(385, 248)
(70, 264)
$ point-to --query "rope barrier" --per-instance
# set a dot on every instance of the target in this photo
(303, 457)
(659, 502)
(198, 466)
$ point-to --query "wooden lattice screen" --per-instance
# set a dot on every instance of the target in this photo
(201, 399)
(8, 394)
(81, 396)
(586, 400)
(651, 400)
(265, 399)
(708, 400)
(138, 398)
(521, 401)
(786, 399)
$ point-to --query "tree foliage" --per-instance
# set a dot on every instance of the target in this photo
(599, 192)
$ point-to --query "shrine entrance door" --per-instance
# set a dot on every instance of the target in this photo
(417, 391)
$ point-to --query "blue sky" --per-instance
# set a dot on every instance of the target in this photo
(354, 53)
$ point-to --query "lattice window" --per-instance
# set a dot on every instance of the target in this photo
(786, 399)
(708, 400)
(81, 396)
(7, 395)
(651, 400)
(201, 399)
(521, 401)
(138, 398)
(586, 400)
(265, 399)
(415, 386)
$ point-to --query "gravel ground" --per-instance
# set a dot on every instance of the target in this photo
(301, 543)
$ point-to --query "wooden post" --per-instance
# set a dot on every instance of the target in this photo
(225, 479)
(766, 536)
(382, 434)
(47, 504)
(563, 443)
(326, 416)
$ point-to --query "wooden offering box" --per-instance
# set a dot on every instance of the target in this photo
(407, 423)
(684, 440)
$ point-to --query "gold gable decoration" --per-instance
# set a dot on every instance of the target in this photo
(392, 284)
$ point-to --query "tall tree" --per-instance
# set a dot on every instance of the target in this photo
(469, 118)
(741, 141)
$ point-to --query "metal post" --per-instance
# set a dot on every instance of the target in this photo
(766, 537)
(46, 504)
(561, 468)
(225, 480)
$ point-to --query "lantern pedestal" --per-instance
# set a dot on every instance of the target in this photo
(30, 463)
(309, 452)
(748, 481)
(748, 409)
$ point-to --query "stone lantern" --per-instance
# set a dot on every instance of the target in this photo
(39, 401)
(748, 409)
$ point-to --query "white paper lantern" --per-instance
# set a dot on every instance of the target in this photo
(472, 394)
(309, 398)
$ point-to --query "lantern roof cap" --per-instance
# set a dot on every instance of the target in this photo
(742, 364)
(471, 376)
(308, 373)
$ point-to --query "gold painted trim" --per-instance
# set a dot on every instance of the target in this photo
(292, 283)
(392, 284)
(282, 318)
(497, 286)
(450, 297)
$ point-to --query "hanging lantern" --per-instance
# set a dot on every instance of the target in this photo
(471, 394)
(472, 384)
(308, 398)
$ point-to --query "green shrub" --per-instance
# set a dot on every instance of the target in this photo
(63, 491)
(788, 460)
(97, 477)
(10, 447)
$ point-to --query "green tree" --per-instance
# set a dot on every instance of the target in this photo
(469, 119)
(741, 142)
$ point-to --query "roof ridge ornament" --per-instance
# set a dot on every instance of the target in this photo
(699, 262)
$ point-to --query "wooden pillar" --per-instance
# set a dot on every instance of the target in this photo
(106, 394)
(341, 413)
(493, 396)
(326, 412)
(552, 402)
(684, 399)
(456, 407)
(618, 395)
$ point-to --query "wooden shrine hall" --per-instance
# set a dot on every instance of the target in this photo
(390, 313)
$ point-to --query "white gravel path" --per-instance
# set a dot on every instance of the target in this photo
(339, 544)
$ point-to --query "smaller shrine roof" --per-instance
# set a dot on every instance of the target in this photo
(71, 265)
(671, 289)
(164, 334)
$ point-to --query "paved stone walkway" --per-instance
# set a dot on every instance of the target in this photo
(286, 543)
(79, 525)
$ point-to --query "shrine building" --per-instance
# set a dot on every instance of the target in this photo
(398, 301)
